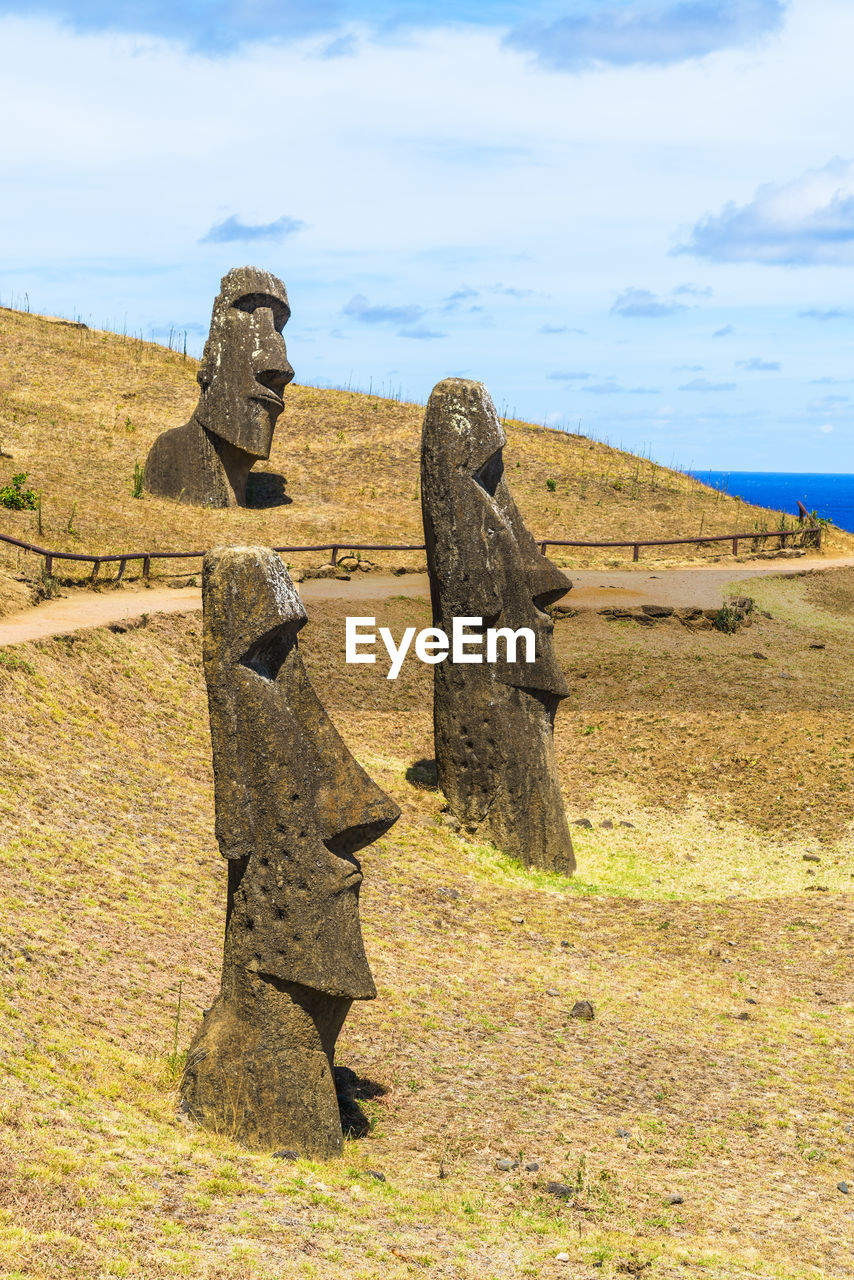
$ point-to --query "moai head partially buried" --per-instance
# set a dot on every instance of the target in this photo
(245, 368)
(293, 808)
(493, 720)
(242, 377)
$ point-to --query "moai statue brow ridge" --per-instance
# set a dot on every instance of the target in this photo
(493, 721)
(292, 810)
(242, 377)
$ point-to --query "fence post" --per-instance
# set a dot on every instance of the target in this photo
(146, 569)
(334, 559)
(636, 551)
(122, 564)
(96, 564)
(735, 546)
(48, 566)
(543, 546)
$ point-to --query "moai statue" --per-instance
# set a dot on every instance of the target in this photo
(493, 720)
(292, 809)
(243, 374)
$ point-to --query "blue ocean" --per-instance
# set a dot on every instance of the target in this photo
(830, 496)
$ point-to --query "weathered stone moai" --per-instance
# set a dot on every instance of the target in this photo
(292, 809)
(242, 377)
(493, 721)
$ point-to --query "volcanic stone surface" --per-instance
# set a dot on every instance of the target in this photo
(292, 809)
(494, 722)
(243, 374)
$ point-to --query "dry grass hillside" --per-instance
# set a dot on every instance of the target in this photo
(700, 1127)
(79, 408)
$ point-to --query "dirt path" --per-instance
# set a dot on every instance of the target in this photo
(592, 589)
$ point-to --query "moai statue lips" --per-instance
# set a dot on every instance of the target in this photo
(292, 810)
(245, 368)
(493, 721)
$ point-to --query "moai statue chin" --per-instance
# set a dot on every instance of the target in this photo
(493, 721)
(242, 377)
(292, 809)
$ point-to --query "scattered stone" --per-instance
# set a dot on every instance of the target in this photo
(532, 1166)
(849, 1128)
(583, 822)
(505, 1164)
(763, 656)
(286, 1154)
(292, 808)
(560, 1190)
(818, 888)
(453, 894)
(562, 1257)
(375, 1174)
(607, 825)
(517, 919)
(817, 646)
(742, 1017)
(786, 675)
(750, 1000)
(675, 1199)
(658, 610)
(624, 823)
(242, 378)
(565, 943)
(582, 1009)
(811, 857)
(843, 1187)
(450, 820)
(493, 721)
(622, 1133)
(551, 991)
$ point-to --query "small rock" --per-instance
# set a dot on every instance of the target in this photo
(817, 646)
(560, 1190)
(551, 991)
(583, 822)
(375, 1174)
(750, 1000)
(849, 1128)
(562, 1257)
(582, 1009)
(607, 825)
(811, 857)
(622, 1133)
(762, 656)
(532, 1166)
(819, 888)
(843, 1187)
(564, 943)
(742, 1017)
(449, 893)
(451, 820)
(286, 1155)
(624, 823)
(675, 1199)
(517, 919)
(505, 1164)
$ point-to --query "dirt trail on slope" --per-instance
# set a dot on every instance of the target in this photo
(701, 587)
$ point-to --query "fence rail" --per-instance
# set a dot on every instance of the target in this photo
(813, 532)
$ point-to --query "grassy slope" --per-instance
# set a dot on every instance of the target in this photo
(78, 409)
(112, 894)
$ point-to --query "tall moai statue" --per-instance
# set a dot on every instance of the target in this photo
(292, 809)
(493, 720)
(242, 377)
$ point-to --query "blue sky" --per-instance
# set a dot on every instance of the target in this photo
(636, 216)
